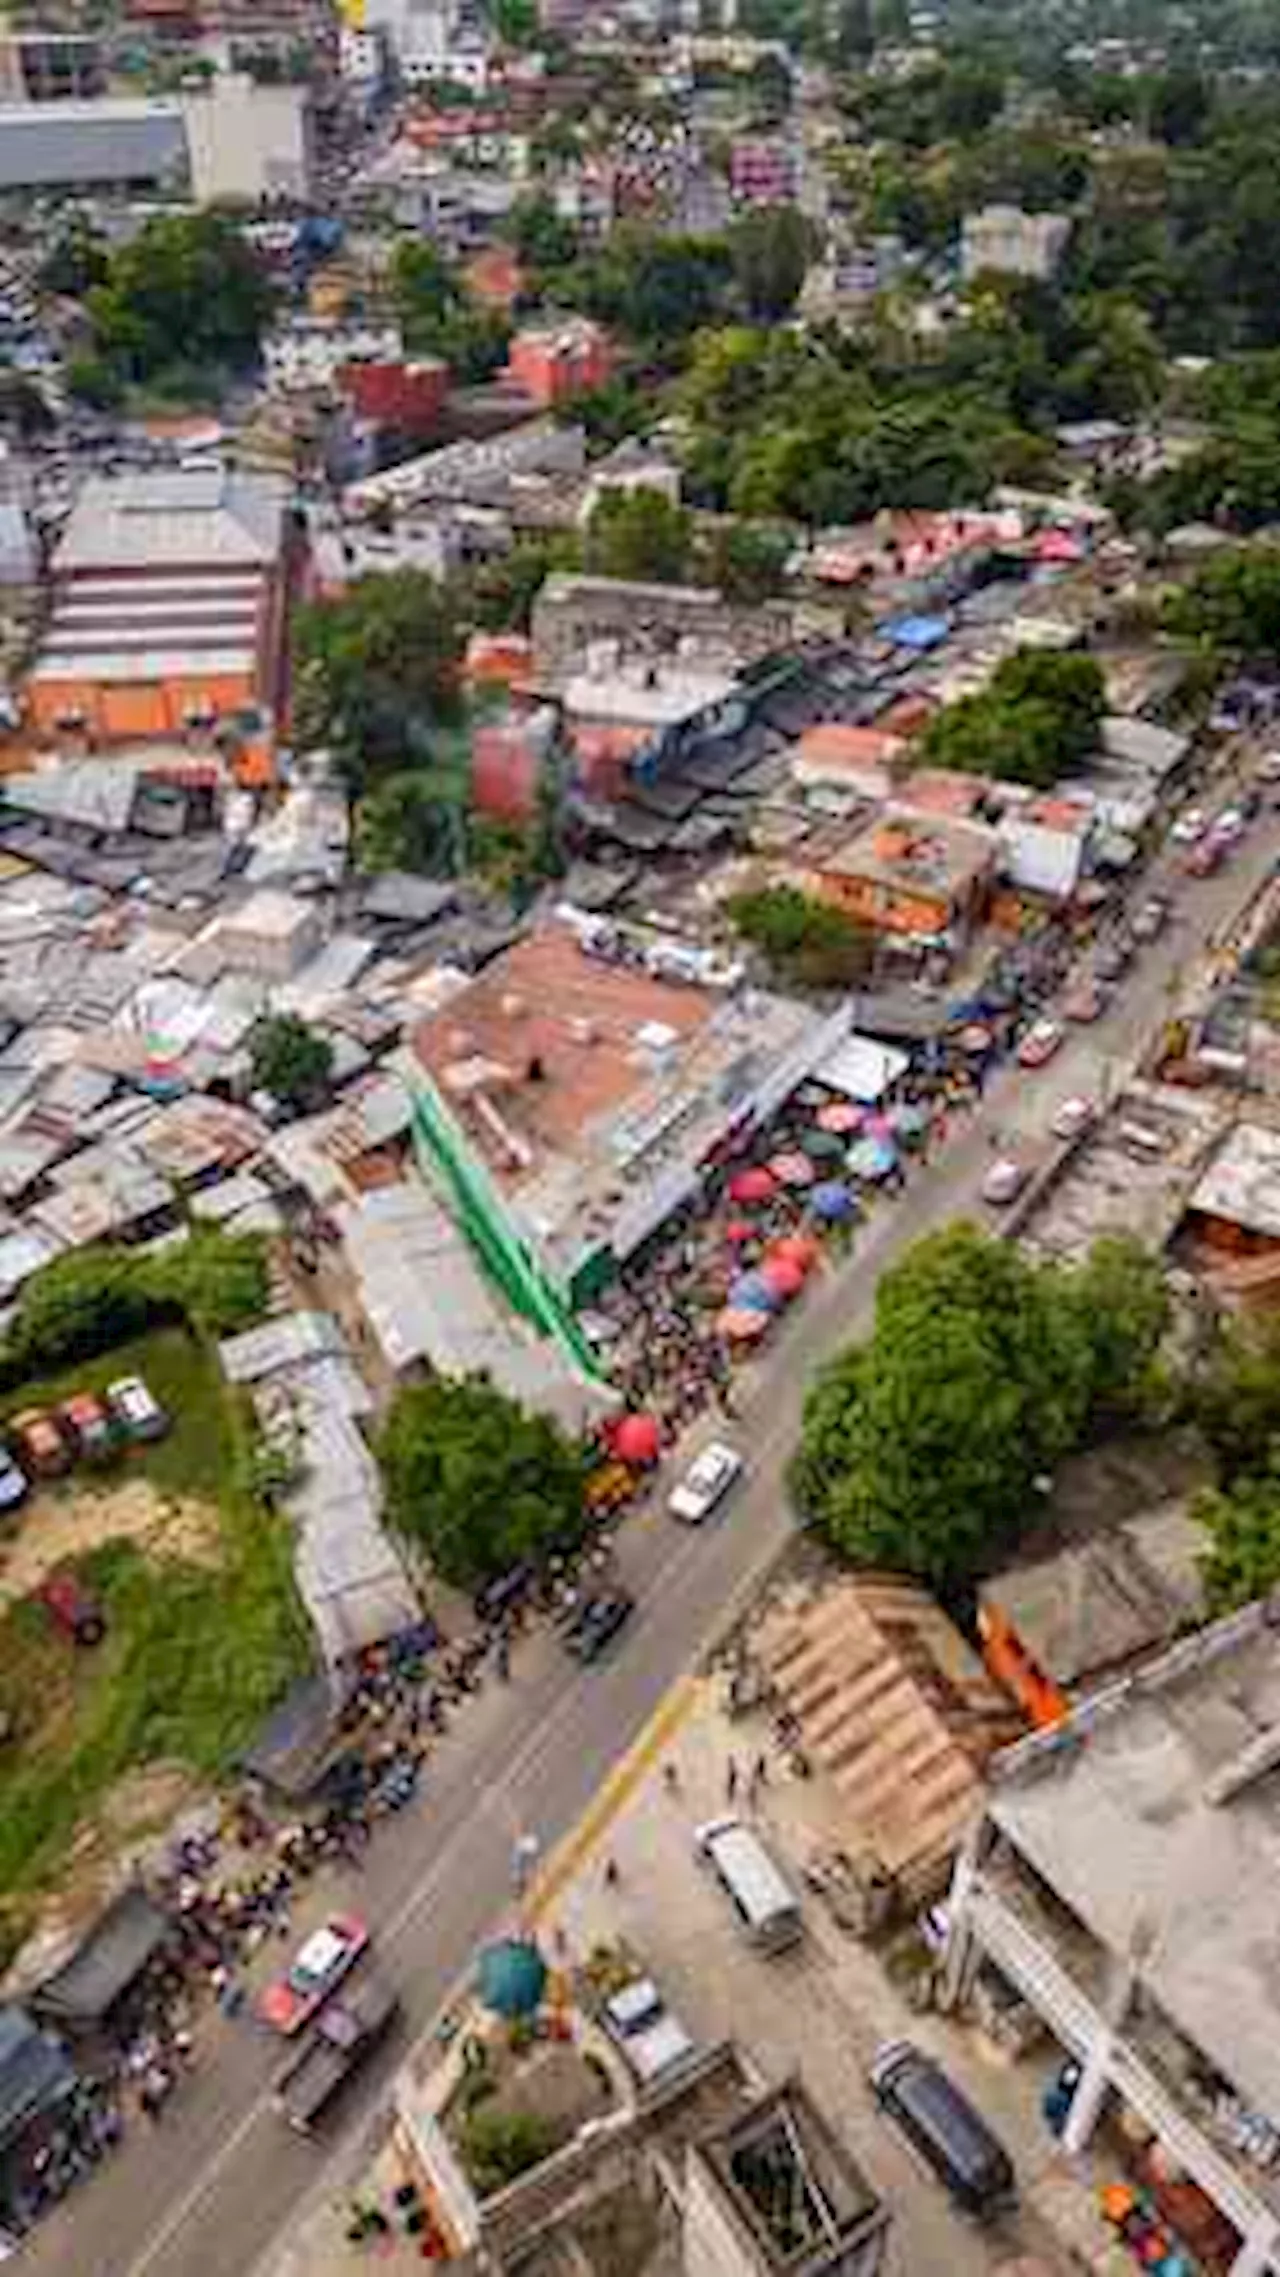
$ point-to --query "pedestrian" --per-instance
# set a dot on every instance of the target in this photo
(611, 1875)
(671, 1778)
(730, 1780)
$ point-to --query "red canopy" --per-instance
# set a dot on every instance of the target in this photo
(783, 1275)
(637, 1439)
(741, 1327)
(793, 1169)
(754, 1184)
(798, 1249)
(841, 1117)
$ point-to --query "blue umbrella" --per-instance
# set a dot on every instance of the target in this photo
(512, 1974)
(832, 1201)
(871, 1158)
(752, 1293)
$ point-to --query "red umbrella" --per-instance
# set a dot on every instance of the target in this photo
(754, 1184)
(740, 1229)
(840, 1117)
(796, 1249)
(637, 1439)
(784, 1275)
(793, 1169)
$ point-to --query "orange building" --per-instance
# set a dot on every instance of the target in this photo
(555, 363)
(925, 876)
(168, 620)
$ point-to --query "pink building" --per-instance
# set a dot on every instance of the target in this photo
(556, 362)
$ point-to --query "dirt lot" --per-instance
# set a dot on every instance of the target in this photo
(63, 1524)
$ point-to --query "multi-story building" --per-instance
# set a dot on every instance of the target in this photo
(1122, 1880)
(1004, 241)
(169, 611)
(762, 172)
(555, 362)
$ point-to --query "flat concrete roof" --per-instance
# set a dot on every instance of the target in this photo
(1242, 1183)
(1154, 1815)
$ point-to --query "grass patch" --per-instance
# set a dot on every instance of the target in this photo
(195, 1456)
(193, 1657)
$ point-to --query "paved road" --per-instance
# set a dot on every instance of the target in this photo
(221, 2181)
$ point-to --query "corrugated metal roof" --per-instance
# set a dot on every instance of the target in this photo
(56, 145)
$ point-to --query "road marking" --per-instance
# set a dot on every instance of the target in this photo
(610, 1799)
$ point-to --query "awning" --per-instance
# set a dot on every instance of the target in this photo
(862, 1069)
(35, 2075)
(107, 1962)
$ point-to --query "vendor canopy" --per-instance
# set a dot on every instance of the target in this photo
(106, 1964)
(862, 1069)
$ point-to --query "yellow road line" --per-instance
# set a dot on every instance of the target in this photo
(620, 1785)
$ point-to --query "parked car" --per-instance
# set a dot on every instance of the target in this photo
(1039, 1044)
(705, 1483)
(44, 1451)
(597, 1624)
(72, 1608)
(1004, 1182)
(1152, 918)
(1268, 769)
(1190, 827)
(136, 1409)
(652, 2041)
(14, 1483)
(1228, 828)
(316, 1971)
(945, 2129)
(87, 1424)
(1072, 1117)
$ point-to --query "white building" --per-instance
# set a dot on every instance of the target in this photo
(309, 354)
(1004, 241)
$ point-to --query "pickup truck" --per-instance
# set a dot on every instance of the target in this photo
(344, 2033)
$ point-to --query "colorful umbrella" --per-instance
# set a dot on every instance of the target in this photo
(792, 1169)
(784, 1276)
(741, 1327)
(841, 1116)
(871, 1159)
(910, 1121)
(832, 1202)
(739, 1230)
(752, 1293)
(798, 1248)
(976, 1039)
(637, 1439)
(754, 1184)
(822, 1146)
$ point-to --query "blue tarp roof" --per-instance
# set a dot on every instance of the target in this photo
(917, 632)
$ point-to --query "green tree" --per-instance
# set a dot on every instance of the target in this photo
(921, 1448)
(502, 2145)
(538, 235)
(805, 940)
(770, 249)
(640, 535)
(655, 287)
(23, 405)
(75, 263)
(290, 1060)
(377, 673)
(1242, 1561)
(1040, 716)
(188, 287)
(744, 561)
(416, 820)
(515, 22)
(89, 380)
(498, 595)
(1232, 604)
(476, 1481)
(1236, 1398)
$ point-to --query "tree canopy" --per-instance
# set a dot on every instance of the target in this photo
(377, 671)
(1040, 716)
(770, 249)
(290, 1060)
(187, 289)
(922, 1447)
(1232, 604)
(806, 941)
(477, 1482)
(639, 534)
(440, 317)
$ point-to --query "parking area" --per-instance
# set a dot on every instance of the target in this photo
(821, 2009)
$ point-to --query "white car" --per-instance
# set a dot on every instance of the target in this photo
(705, 1483)
(1004, 1182)
(1190, 827)
(1072, 1117)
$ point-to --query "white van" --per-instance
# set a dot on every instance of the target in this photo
(767, 1908)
